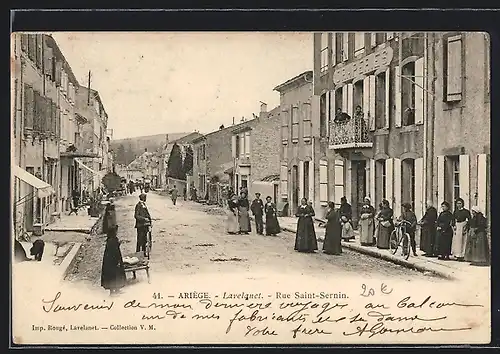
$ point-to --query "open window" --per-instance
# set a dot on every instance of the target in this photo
(408, 94)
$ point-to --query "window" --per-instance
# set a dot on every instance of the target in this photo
(380, 102)
(359, 43)
(337, 47)
(323, 181)
(345, 46)
(284, 127)
(380, 38)
(284, 180)
(237, 146)
(324, 53)
(284, 152)
(295, 125)
(456, 179)
(453, 68)
(29, 107)
(380, 181)
(339, 180)
(323, 115)
(452, 178)
(242, 145)
(358, 96)
(408, 93)
(247, 144)
(306, 122)
(408, 181)
(339, 100)
(244, 181)
(305, 185)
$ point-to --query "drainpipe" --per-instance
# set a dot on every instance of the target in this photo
(429, 186)
(426, 124)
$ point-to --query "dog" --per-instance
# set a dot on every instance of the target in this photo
(37, 250)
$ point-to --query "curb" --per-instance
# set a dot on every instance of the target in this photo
(69, 260)
(385, 257)
(69, 229)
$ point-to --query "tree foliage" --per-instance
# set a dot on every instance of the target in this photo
(187, 164)
(175, 163)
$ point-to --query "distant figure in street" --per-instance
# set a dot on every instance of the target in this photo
(445, 231)
(409, 216)
(345, 211)
(184, 193)
(142, 223)
(257, 209)
(243, 217)
(428, 230)
(305, 237)
(367, 223)
(461, 218)
(333, 232)
(479, 246)
(131, 188)
(113, 271)
(272, 225)
(75, 202)
(385, 225)
(232, 226)
(174, 194)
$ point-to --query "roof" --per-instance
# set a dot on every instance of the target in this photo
(271, 178)
(299, 79)
(231, 127)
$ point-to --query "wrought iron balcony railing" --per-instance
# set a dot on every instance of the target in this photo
(352, 133)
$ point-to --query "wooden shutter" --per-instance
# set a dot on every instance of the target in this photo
(233, 146)
(350, 91)
(300, 182)
(284, 180)
(389, 180)
(29, 107)
(311, 180)
(345, 46)
(47, 61)
(38, 55)
(372, 180)
(58, 123)
(242, 145)
(440, 179)
(397, 187)
(397, 97)
(333, 51)
(387, 97)
(58, 73)
(366, 99)
(332, 107)
(419, 187)
(323, 181)
(373, 39)
(327, 115)
(464, 179)
(454, 68)
(24, 42)
(247, 144)
(419, 92)
(372, 100)
(482, 182)
(345, 100)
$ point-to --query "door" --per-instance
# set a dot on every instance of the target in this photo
(359, 192)
(295, 188)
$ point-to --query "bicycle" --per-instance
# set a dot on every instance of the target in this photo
(400, 238)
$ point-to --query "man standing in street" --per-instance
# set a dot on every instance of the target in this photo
(174, 194)
(257, 208)
(184, 193)
(142, 223)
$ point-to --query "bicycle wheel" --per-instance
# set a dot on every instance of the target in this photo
(393, 242)
(406, 246)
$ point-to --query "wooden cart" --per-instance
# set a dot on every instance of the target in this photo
(143, 265)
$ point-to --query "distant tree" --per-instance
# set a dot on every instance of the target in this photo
(175, 163)
(187, 164)
(121, 157)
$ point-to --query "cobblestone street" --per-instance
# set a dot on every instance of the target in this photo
(190, 239)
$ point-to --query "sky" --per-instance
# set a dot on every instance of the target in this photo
(155, 83)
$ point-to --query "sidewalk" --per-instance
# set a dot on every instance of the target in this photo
(446, 269)
(76, 223)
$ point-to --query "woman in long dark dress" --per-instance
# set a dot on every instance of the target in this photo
(428, 231)
(243, 216)
(272, 225)
(333, 233)
(305, 237)
(479, 254)
(385, 226)
(445, 231)
(113, 271)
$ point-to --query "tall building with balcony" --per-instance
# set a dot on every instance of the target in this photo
(43, 124)
(373, 109)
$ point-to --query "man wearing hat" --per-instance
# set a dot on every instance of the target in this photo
(257, 209)
(142, 223)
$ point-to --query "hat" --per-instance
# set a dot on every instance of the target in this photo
(476, 209)
(368, 199)
(257, 193)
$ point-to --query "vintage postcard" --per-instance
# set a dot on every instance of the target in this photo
(250, 188)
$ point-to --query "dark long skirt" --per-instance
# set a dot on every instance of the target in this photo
(333, 236)
(384, 233)
(428, 239)
(479, 248)
(272, 225)
(244, 220)
(113, 272)
(305, 237)
(444, 239)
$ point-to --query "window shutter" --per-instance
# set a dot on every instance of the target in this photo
(366, 99)
(387, 97)
(419, 187)
(284, 180)
(323, 181)
(344, 99)
(39, 43)
(454, 69)
(440, 178)
(28, 107)
(372, 101)
(233, 146)
(300, 182)
(388, 180)
(58, 73)
(311, 180)
(327, 113)
(332, 106)
(333, 51)
(397, 97)
(242, 146)
(464, 179)
(350, 92)
(372, 181)
(419, 92)
(247, 144)
(482, 180)
(397, 187)
(24, 42)
(47, 64)
(373, 39)
(345, 46)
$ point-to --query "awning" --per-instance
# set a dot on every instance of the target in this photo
(43, 188)
(80, 162)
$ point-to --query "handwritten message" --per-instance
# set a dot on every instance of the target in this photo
(374, 311)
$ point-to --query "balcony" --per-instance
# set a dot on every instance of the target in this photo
(243, 161)
(349, 134)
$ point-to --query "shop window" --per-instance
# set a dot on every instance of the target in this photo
(408, 93)
(380, 102)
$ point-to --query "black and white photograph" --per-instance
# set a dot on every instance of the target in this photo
(182, 188)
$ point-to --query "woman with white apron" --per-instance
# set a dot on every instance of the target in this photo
(461, 218)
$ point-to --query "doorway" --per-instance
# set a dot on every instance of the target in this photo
(359, 190)
(295, 187)
(275, 194)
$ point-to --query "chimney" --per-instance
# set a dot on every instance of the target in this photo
(263, 110)
(166, 139)
(233, 120)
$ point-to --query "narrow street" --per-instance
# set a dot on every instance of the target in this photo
(189, 239)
